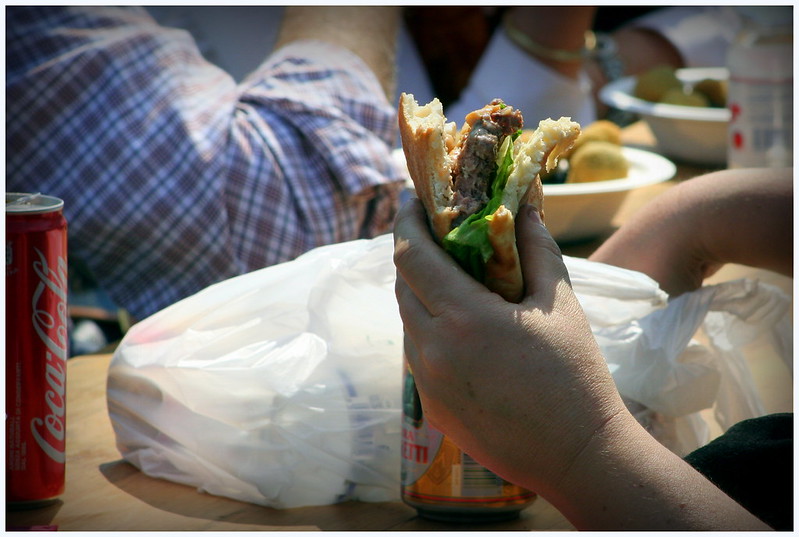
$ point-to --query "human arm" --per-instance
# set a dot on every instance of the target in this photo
(538, 89)
(699, 36)
(684, 36)
(546, 86)
(563, 28)
(524, 389)
(368, 31)
(556, 28)
(742, 216)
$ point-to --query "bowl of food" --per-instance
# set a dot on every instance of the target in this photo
(576, 211)
(684, 108)
(593, 178)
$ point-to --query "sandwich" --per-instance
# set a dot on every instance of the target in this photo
(473, 180)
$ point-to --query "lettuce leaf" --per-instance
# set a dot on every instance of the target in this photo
(469, 243)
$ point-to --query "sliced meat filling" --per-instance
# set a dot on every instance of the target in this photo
(476, 163)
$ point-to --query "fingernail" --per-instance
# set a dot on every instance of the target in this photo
(532, 213)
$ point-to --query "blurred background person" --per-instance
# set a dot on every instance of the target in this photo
(551, 61)
(174, 174)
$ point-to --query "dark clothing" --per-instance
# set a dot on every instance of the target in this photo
(753, 464)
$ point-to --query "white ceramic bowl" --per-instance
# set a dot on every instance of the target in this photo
(686, 133)
(581, 211)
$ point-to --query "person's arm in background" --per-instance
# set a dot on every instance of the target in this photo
(370, 32)
(564, 29)
(690, 231)
(697, 36)
(641, 49)
(540, 88)
(524, 389)
(545, 46)
(685, 36)
(554, 29)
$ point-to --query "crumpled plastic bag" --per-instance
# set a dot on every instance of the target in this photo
(282, 387)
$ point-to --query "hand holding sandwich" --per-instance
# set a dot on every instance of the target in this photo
(495, 375)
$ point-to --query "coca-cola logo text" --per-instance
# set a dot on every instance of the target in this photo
(50, 430)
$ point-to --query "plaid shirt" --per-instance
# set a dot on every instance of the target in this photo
(173, 176)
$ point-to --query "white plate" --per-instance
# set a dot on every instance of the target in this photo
(581, 211)
(646, 168)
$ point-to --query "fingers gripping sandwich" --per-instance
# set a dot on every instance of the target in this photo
(472, 181)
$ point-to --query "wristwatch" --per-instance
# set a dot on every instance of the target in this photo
(606, 54)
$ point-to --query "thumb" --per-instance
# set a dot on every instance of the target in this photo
(541, 260)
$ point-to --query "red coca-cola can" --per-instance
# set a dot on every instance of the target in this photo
(37, 345)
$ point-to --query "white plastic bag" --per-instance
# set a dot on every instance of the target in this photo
(282, 387)
(654, 353)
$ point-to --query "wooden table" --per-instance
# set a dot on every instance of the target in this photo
(105, 493)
